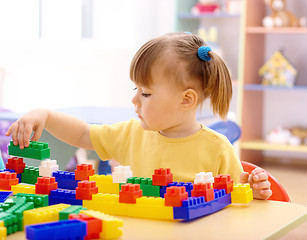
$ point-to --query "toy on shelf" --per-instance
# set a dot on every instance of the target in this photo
(277, 71)
(281, 135)
(280, 16)
(206, 6)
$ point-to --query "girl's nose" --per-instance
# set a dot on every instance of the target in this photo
(134, 100)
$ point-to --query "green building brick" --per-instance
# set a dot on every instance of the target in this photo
(39, 200)
(30, 175)
(10, 221)
(146, 186)
(35, 150)
(70, 210)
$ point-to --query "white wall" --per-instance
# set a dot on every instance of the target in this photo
(61, 69)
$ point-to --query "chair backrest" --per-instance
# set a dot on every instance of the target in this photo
(228, 128)
(278, 191)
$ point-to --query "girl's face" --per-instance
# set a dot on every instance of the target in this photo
(158, 106)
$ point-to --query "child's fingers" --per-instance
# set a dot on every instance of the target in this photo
(244, 177)
(37, 133)
(257, 171)
(263, 176)
(262, 185)
(20, 133)
(266, 193)
(14, 131)
(26, 135)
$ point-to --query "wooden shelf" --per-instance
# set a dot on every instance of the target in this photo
(283, 30)
(263, 145)
(260, 87)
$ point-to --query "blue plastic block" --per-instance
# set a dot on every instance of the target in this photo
(63, 196)
(64, 229)
(4, 196)
(7, 170)
(188, 187)
(65, 180)
(195, 207)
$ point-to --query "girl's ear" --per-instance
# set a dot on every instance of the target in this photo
(189, 99)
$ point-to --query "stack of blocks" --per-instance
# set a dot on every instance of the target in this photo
(81, 199)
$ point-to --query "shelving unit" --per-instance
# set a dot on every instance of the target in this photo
(228, 36)
(252, 95)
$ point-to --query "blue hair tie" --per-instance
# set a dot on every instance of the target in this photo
(203, 53)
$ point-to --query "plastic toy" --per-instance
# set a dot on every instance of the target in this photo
(63, 196)
(4, 195)
(174, 196)
(94, 225)
(223, 182)
(8, 179)
(64, 214)
(43, 214)
(162, 177)
(66, 229)
(35, 150)
(85, 190)
(30, 175)
(23, 188)
(45, 184)
(241, 193)
(16, 164)
(110, 225)
(129, 193)
(84, 171)
(105, 184)
(179, 200)
(146, 186)
(280, 16)
(277, 71)
(203, 190)
(121, 174)
(206, 6)
(47, 167)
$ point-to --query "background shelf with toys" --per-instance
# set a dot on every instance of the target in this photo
(218, 22)
(270, 108)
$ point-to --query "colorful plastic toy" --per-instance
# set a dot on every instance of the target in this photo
(84, 171)
(121, 174)
(65, 229)
(162, 177)
(35, 150)
(45, 184)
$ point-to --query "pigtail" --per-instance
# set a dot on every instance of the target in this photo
(217, 84)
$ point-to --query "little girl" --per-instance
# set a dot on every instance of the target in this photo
(173, 75)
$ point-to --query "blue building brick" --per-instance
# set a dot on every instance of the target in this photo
(65, 180)
(64, 229)
(63, 196)
(188, 187)
(195, 207)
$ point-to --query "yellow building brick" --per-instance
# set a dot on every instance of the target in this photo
(43, 214)
(23, 188)
(241, 193)
(3, 231)
(105, 184)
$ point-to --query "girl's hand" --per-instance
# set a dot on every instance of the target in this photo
(21, 130)
(258, 180)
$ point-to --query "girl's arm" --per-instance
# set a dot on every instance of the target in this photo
(68, 129)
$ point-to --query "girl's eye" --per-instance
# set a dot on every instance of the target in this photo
(145, 94)
(135, 88)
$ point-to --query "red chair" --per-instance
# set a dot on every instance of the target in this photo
(278, 192)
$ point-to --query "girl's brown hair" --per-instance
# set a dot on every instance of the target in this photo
(211, 79)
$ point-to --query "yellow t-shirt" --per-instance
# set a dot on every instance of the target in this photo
(130, 145)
